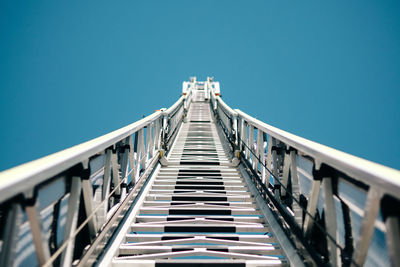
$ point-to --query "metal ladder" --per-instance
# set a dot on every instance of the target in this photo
(198, 209)
(166, 190)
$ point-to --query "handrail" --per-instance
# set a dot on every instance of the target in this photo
(218, 99)
(226, 107)
(278, 163)
(173, 115)
(175, 105)
(366, 171)
(97, 175)
(271, 156)
(22, 178)
(363, 170)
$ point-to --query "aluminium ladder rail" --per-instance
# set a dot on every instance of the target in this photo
(199, 209)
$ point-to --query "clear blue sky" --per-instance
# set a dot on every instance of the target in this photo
(325, 70)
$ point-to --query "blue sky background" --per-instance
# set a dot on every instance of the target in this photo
(325, 70)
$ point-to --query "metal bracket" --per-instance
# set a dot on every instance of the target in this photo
(236, 159)
(185, 111)
(163, 159)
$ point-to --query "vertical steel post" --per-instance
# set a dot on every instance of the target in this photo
(71, 220)
(10, 234)
(165, 129)
(312, 207)
(285, 173)
(149, 142)
(107, 176)
(141, 156)
(89, 206)
(39, 238)
(275, 170)
(242, 135)
(298, 212)
(269, 156)
(372, 207)
(260, 147)
(246, 141)
(124, 167)
(115, 171)
(330, 221)
(235, 129)
(131, 159)
(156, 134)
(262, 157)
(251, 146)
(393, 239)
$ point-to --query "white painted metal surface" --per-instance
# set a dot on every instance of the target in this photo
(293, 183)
(198, 210)
(147, 194)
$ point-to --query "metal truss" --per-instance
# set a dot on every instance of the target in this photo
(63, 208)
(340, 210)
(199, 183)
(197, 210)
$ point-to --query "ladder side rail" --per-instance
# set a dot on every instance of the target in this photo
(188, 100)
(252, 144)
(46, 190)
(172, 123)
(334, 168)
(20, 179)
(226, 115)
(173, 116)
(360, 169)
(338, 167)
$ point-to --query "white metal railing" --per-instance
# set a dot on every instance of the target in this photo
(338, 206)
(59, 204)
(173, 116)
(318, 189)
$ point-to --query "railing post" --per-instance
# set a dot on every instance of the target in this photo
(115, 170)
(89, 206)
(10, 234)
(295, 186)
(136, 166)
(371, 212)
(157, 136)
(141, 154)
(124, 167)
(186, 104)
(153, 139)
(259, 151)
(246, 140)
(262, 158)
(164, 135)
(235, 130)
(241, 135)
(311, 207)
(39, 238)
(215, 106)
(269, 157)
(330, 221)
(71, 220)
(286, 170)
(132, 159)
(250, 144)
(275, 161)
(393, 239)
(106, 181)
(149, 141)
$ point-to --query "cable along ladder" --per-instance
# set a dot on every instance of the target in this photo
(200, 184)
